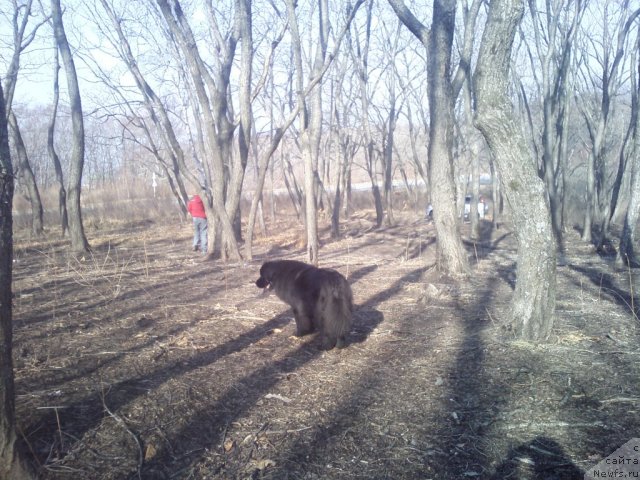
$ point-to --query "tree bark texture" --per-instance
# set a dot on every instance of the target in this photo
(452, 257)
(51, 149)
(12, 466)
(626, 252)
(533, 302)
(76, 229)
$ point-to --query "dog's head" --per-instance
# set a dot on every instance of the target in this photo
(266, 276)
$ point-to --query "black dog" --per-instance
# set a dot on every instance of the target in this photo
(321, 298)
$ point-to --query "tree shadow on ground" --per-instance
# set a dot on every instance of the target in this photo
(306, 453)
(540, 459)
(89, 411)
(486, 244)
(478, 403)
(607, 284)
(205, 429)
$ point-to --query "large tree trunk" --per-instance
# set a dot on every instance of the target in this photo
(26, 173)
(76, 229)
(451, 256)
(533, 303)
(626, 253)
(12, 466)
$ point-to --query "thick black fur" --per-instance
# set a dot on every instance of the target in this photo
(321, 298)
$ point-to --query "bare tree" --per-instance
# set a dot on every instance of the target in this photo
(438, 41)
(310, 123)
(62, 192)
(310, 118)
(157, 114)
(21, 40)
(626, 253)
(554, 33)
(390, 122)
(359, 48)
(76, 229)
(533, 302)
(12, 465)
(607, 81)
(347, 139)
(26, 173)
(211, 87)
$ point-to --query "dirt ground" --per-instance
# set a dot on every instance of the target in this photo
(141, 361)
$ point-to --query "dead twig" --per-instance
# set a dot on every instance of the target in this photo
(124, 425)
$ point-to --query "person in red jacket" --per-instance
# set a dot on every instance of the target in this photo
(195, 207)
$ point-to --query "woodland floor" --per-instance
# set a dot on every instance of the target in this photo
(141, 361)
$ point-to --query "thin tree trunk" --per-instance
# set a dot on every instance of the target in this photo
(263, 164)
(475, 163)
(76, 229)
(26, 173)
(62, 193)
(496, 197)
(626, 253)
(388, 156)
(533, 302)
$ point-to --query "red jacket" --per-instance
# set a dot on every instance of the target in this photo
(195, 207)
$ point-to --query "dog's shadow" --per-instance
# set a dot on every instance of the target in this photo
(365, 321)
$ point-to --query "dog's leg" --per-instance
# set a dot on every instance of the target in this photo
(304, 324)
(341, 342)
(329, 342)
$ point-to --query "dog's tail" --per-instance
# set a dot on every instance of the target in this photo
(336, 304)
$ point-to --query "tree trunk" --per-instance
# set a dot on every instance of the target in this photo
(497, 203)
(62, 193)
(263, 164)
(213, 103)
(26, 173)
(626, 253)
(474, 214)
(554, 36)
(76, 229)
(533, 303)
(387, 155)
(598, 198)
(310, 120)
(475, 162)
(12, 465)
(452, 257)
